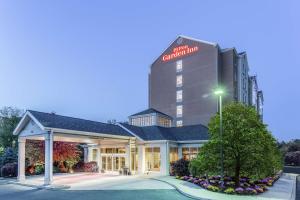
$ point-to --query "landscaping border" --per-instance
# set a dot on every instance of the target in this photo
(179, 190)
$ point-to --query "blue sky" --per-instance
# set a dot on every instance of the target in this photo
(90, 59)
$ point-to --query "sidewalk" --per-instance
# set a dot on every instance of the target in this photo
(283, 189)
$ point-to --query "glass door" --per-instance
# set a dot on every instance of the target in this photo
(112, 163)
(152, 158)
(109, 163)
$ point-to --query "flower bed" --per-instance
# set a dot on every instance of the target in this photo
(247, 186)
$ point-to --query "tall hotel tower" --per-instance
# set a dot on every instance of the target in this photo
(183, 77)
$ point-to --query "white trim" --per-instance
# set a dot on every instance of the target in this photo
(202, 41)
(192, 141)
(186, 37)
(126, 129)
(74, 132)
(19, 126)
(177, 142)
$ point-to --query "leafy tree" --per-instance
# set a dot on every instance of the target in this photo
(9, 118)
(290, 150)
(64, 153)
(248, 148)
(293, 146)
(9, 156)
(292, 158)
(35, 152)
(1, 150)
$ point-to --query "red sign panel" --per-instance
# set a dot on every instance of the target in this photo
(179, 52)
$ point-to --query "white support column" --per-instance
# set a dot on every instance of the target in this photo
(85, 154)
(164, 158)
(179, 152)
(90, 153)
(141, 159)
(127, 158)
(21, 159)
(99, 159)
(48, 158)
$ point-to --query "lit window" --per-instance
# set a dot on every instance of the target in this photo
(179, 96)
(179, 80)
(95, 153)
(179, 66)
(179, 123)
(179, 111)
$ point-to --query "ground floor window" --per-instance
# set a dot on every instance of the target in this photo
(189, 153)
(152, 155)
(113, 159)
(113, 163)
(95, 153)
(173, 154)
(113, 150)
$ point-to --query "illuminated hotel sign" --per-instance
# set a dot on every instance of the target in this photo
(179, 52)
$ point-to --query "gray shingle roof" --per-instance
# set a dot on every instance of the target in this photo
(184, 133)
(149, 111)
(194, 132)
(63, 122)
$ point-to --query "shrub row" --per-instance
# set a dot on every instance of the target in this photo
(247, 186)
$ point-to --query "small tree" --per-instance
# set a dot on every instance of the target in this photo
(64, 153)
(248, 148)
(9, 118)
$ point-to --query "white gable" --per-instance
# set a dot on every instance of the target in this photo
(31, 128)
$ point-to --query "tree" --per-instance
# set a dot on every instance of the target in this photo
(64, 153)
(9, 118)
(292, 158)
(248, 148)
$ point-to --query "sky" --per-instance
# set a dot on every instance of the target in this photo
(90, 59)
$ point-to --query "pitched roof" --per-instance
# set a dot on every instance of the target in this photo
(70, 123)
(184, 133)
(149, 111)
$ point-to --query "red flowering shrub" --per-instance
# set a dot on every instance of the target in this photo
(91, 167)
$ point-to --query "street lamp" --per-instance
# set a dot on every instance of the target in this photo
(219, 92)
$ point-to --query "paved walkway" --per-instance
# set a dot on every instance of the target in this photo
(104, 188)
(283, 189)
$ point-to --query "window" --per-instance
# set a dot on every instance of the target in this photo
(179, 123)
(179, 96)
(95, 152)
(120, 150)
(173, 154)
(179, 111)
(193, 152)
(179, 66)
(152, 160)
(179, 81)
(186, 153)
(189, 153)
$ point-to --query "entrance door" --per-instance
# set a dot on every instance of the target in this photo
(113, 163)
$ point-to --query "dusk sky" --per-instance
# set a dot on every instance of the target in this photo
(90, 59)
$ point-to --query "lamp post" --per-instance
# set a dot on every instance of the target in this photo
(219, 92)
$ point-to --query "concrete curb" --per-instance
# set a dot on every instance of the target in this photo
(46, 187)
(294, 178)
(293, 197)
(179, 190)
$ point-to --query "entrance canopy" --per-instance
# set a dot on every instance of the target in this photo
(51, 127)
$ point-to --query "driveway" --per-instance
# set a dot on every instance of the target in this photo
(117, 187)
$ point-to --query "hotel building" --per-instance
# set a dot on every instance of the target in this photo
(183, 77)
(180, 105)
